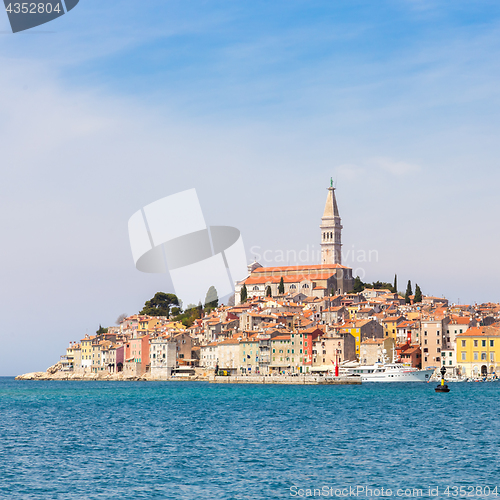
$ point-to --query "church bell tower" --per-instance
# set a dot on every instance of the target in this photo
(331, 230)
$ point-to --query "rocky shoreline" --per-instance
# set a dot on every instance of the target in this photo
(55, 373)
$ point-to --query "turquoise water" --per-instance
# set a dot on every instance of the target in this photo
(183, 440)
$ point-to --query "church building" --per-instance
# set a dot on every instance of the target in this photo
(329, 277)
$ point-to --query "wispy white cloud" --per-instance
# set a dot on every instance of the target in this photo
(396, 167)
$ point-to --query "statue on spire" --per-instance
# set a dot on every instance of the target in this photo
(331, 182)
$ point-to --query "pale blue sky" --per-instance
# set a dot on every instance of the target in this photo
(255, 104)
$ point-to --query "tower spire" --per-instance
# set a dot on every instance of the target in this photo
(331, 230)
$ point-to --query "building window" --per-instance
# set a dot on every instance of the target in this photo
(476, 356)
(492, 343)
(463, 343)
(492, 357)
(464, 356)
(483, 356)
(475, 343)
(483, 343)
(256, 288)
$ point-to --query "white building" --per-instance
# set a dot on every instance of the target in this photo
(162, 356)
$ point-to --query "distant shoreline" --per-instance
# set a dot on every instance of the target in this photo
(255, 379)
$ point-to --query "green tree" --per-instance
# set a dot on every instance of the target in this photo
(358, 285)
(269, 292)
(160, 304)
(395, 287)
(418, 294)
(101, 330)
(281, 287)
(243, 294)
(211, 299)
(408, 293)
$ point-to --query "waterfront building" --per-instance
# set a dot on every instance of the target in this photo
(228, 355)
(280, 354)
(330, 348)
(249, 355)
(433, 334)
(86, 344)
(208, 355)
(376, 350)
(162, 356)
(136, 356)
(478, 351)
(412, 355)
(184, 346)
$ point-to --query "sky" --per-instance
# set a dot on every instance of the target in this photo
(256, 105)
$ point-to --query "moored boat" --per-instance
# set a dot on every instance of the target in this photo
(391, 372)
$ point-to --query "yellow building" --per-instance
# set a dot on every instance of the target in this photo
(350, 327)
(87, 350)
(361, 330)
(390, 326)
(478, 351)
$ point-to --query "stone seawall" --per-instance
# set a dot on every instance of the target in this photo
(117, 377)
(284, 379)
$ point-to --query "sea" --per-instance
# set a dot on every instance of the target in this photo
(195, 440)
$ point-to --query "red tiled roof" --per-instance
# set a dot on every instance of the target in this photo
(318, 267)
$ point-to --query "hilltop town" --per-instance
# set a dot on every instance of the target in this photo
(294, 320)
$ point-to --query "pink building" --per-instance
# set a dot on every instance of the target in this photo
(137, 355)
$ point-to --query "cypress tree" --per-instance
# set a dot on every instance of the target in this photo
(408, 293)
(281, 287)
(395, 287)
(418, 295)
(243, 294)
(268, 292)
